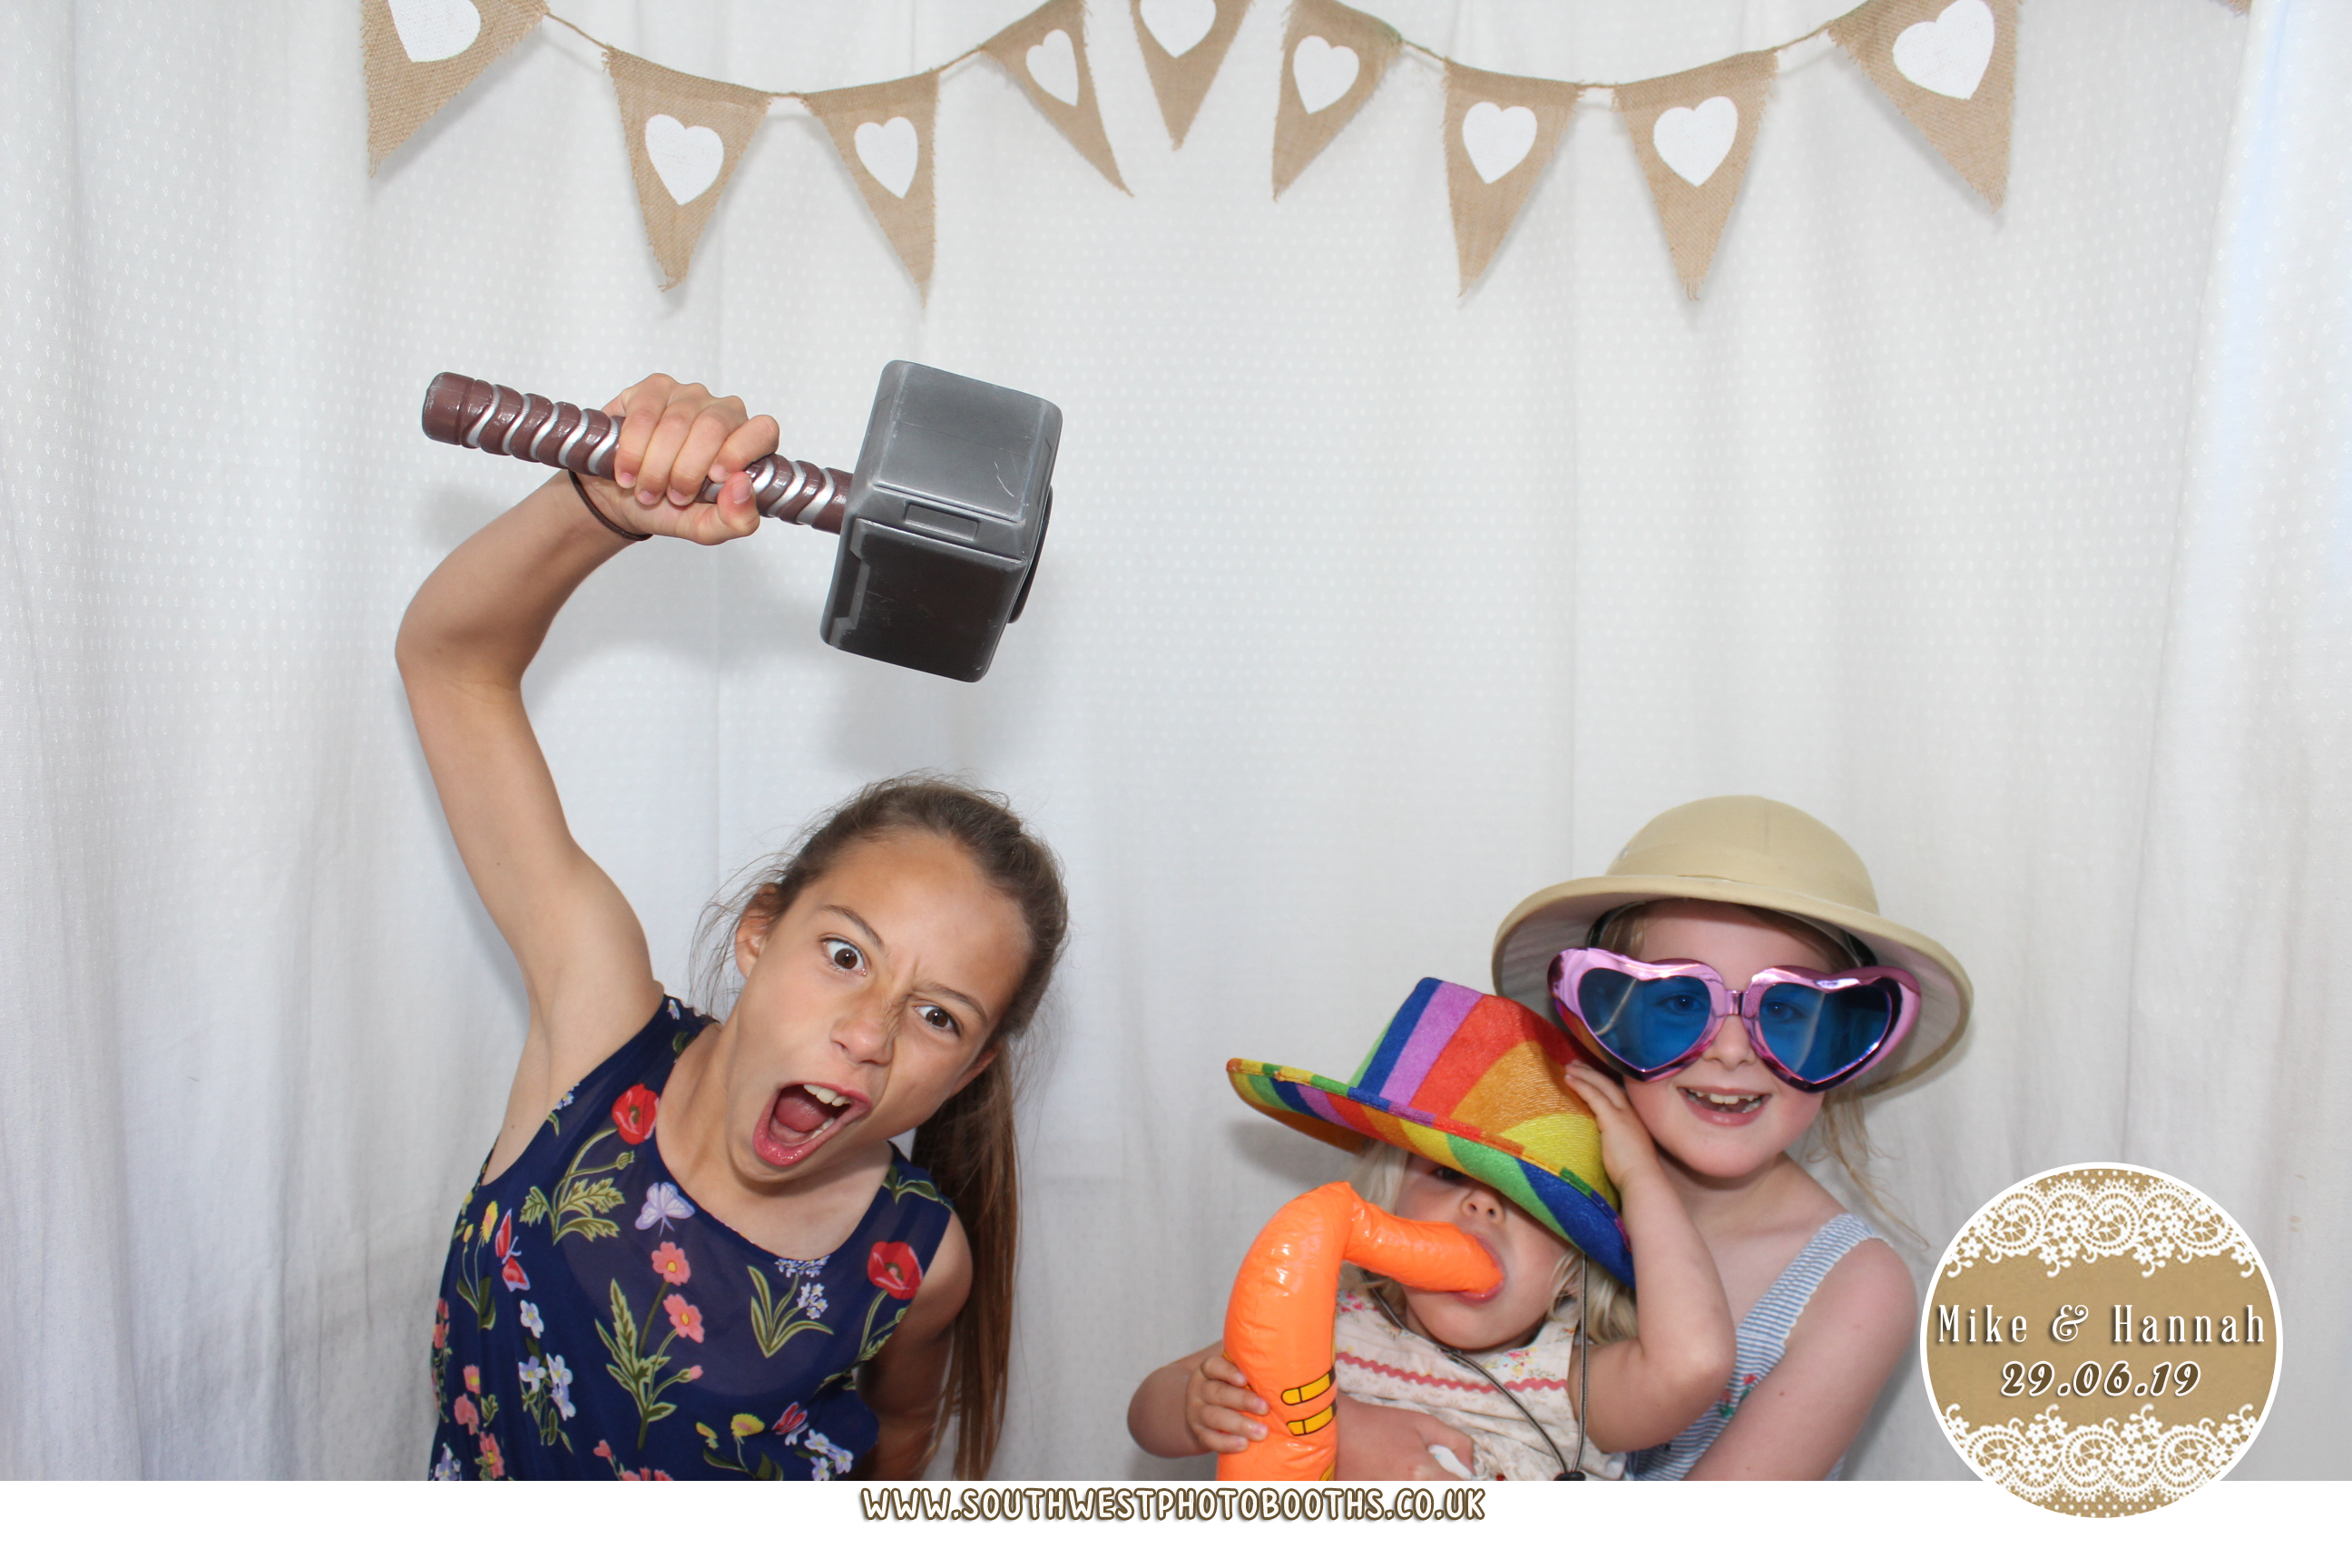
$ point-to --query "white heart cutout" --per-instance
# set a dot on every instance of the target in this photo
(1949, 55)
(1054, 65)
(889, 153)
(1695, 142)
(435, 29)
(687, 157)
(1323, 71)
(1497, 138)
(1177, 24)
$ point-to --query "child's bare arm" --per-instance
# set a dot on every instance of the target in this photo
(1198, 1404)
(1647, 1389)
(901, 1384)
(1798, 1422)
(1201, 1403)
(468, 635)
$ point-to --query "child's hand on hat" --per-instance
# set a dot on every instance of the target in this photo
(1626, 1152)
(1218, 1406)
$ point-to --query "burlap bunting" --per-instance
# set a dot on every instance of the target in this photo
(1183, 43)
(420, 54)
(1693, 132)
(1046, 52)
(686, 134)
(883, 133)
(1500, 134)
(1333, 58)
(1950, 66)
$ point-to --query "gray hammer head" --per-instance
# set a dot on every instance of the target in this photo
(946, 514)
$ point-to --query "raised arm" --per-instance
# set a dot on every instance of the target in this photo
(469, 634)
(1798, 1422)
(1647, 1389)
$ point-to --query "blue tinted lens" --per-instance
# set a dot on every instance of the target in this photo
(1644, 1023)
(1817, 1035)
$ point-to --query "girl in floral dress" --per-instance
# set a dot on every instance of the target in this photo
(693, 1250)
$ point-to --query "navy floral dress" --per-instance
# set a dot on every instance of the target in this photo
(594, 1323)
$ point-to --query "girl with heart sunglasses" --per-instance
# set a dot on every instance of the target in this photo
(1732, 969)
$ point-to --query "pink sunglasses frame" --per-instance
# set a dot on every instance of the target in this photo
(1573, 963)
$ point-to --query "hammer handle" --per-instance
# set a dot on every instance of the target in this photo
(483, 414)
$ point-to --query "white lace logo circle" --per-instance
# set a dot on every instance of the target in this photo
(2100, 1339)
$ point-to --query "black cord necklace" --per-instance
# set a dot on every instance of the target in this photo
(1579, 1351)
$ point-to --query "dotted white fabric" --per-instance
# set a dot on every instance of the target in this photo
(2015, 547)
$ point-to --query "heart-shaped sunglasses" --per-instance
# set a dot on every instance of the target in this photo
(1813, 1031)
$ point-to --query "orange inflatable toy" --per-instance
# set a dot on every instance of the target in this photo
(1278, 1322)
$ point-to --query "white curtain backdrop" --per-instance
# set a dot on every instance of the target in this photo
(2018, 548)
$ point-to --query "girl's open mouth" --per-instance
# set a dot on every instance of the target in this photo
(802, 1117)
(1724, 1108)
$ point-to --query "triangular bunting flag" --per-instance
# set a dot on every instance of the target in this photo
(420, 54)
(883, 133)
(1500, 134)
(1333, 58)
(1693, 132)
(686, 134)
(1046, 52)
(1950, 66)
(1185, 42)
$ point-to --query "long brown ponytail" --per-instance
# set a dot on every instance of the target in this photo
(968, 1143)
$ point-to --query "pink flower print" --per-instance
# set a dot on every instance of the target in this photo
(789, 1423)
(684, 1319)
(473, 1380)
(513, 1274)
(670, 1262)
(497, 1460)
(603, 1450)
(440, 1325)
(466, 1415)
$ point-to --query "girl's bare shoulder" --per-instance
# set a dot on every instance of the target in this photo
(1866, 1306)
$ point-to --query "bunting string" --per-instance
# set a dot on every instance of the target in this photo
(1947, 66)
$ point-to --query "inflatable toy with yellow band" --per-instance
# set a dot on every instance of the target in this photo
(1278, 1323)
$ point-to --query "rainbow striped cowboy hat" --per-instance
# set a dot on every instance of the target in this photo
(1470, 1081)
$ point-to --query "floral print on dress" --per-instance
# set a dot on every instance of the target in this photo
(593, 1322)
(663, 1205)
(1736, 1392)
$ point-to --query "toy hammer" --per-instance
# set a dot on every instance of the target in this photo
(940, 525)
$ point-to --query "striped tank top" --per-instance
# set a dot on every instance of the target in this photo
(1763, 1334)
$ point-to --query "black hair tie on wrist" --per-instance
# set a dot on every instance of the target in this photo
(583, 491)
